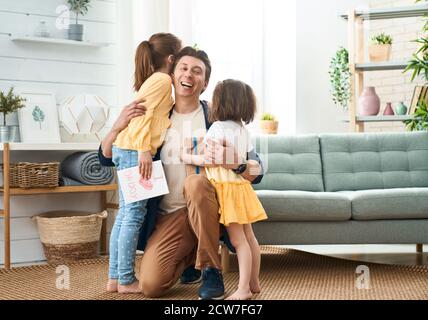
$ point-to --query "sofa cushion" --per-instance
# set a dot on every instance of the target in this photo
(290, 162)
(374, 160)
(305, 206)
(406, 203)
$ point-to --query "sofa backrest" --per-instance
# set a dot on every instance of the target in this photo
(290, 162)
(357, 161)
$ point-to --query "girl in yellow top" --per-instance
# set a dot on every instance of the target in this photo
(233, 105)
(135, 146)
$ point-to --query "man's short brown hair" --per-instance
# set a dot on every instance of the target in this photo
(198, 54)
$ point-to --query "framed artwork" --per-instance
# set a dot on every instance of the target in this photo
(38, 120)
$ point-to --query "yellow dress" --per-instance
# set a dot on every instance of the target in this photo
(237, 198)
(147, 132)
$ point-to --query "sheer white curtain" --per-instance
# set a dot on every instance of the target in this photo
(250, 40)
(231, 32)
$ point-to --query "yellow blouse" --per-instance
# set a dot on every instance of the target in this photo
(146, 133)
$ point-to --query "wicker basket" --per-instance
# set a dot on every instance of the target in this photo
(13, 174)
(38, 175)
(69, 236)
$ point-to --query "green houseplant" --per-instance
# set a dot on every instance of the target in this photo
(9, 103)
(420, 118)
(268, 123)
(79, 7)
(418, 65)
(380, 47)
(340, 77)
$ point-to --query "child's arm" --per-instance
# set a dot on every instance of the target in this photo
(145, 164)
(154, 90)
(195, 159)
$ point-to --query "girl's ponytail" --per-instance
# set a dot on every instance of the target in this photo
(151, 55)
(144, 67)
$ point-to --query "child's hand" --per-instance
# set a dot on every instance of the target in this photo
(185, 156)
(145, 164)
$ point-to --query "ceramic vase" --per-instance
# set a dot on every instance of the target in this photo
(401, 109)
(369, 102)
(388, 110)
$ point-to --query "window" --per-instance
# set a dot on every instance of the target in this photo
(250, 40)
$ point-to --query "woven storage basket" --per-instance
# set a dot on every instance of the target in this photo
(13, 174)
(68, 236)
(38, 175)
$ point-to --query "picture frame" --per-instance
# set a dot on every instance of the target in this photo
(38, 120)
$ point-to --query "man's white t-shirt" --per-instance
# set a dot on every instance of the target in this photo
(183, 126)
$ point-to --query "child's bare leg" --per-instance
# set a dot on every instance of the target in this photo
(129, 288)
(255, 253)
(112, 285)
(239, 241)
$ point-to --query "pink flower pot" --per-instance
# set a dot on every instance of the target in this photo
(369, 102)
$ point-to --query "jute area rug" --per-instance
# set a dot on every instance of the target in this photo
(286, 274)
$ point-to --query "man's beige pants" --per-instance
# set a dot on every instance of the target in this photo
(180, 239)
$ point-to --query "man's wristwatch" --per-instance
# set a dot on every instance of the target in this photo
(241, 168)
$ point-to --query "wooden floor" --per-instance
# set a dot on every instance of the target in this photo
(388, 254)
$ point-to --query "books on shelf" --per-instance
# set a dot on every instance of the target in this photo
(419, 93)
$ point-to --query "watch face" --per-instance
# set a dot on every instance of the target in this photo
(242, 168)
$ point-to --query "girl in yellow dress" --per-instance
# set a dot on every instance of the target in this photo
(233, 105)
(135, 146)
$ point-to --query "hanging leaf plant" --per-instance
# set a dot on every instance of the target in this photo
(340, 78)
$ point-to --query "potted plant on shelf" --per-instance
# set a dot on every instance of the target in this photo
(380, 48)
(268, 123)
(75, 31)
(340, 77)
(8, 104)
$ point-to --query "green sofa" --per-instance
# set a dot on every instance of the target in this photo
(363, 188)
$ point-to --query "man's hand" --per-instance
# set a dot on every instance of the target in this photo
(222, 153)
(132, 110)
(145, 164)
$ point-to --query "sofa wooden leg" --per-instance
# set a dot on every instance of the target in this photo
(225, 258)
(419, 248)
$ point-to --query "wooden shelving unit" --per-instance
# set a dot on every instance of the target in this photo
(358, 66)
(8, 191)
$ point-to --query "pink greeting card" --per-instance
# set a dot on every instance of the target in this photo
(134, 188)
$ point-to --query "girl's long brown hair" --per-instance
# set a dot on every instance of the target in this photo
(233, 100)
(150, 55)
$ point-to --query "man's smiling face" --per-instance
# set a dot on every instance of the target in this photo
(189, 77)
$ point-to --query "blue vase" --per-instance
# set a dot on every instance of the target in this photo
(401, 109)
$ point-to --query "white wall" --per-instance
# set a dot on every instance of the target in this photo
(319, 34)
(279, 63)
(64, 71)
(137, 20)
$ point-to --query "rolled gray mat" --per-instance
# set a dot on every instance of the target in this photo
(85, 168)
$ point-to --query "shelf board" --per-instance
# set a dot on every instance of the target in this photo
(383, 118)
(380, 118)
(391, 13)
(63, 189)
(58, 41)
(381, 66)
(52, 146)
